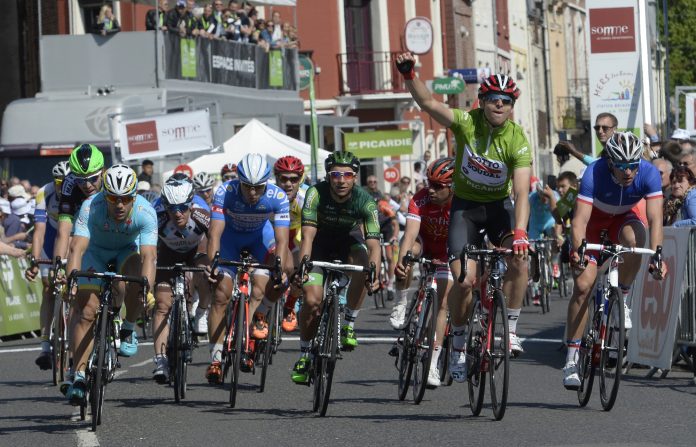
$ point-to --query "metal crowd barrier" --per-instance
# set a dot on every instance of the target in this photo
(686, 330)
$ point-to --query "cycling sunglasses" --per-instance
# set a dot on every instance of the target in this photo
(180, 208)
(126, 200)
(621, 166)
(438, 186)
(260, 187)
(288, 178)
(91, 179)
(338, 174)
(493, 97)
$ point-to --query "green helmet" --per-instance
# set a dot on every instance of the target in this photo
(86, 159)
(342, 159)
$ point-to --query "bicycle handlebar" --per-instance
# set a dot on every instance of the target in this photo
(410, 259)
(181, 268)
(472, 251)
(35, 262)
(307, 265)
(246, 264)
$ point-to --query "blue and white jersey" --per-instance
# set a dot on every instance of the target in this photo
(240, 217)
(47, 206)
(93, 222)
(599, 188)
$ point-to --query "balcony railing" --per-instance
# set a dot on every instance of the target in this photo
(368, 72)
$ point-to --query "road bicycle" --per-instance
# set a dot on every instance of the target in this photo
(542, 260)
(326, 344)
(103, 361)
(383, 293)
(180, 342)
(417, 339)
(239, 352)
(488, 343)
(59, 324)
(602, 346)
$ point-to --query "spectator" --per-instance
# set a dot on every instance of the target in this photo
(401, 206)
(671, 151)
(143, 186)
(106, 22)
(181, 19)
(683, 137)
(417, 174)
(13, 228)
(26, 184)
(263, 37)
(17, 191)
(683, 198)
(372, 188)
(219, 15)
(688, 160)
(14, 181)
(146, 171)
(665, 168)
(426, 158)
(207, 24)
(276, 29)
(404, 185)
(419, 186)
(157, 18)
(4, 186)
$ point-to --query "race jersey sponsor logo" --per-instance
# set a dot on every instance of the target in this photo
(481, 170)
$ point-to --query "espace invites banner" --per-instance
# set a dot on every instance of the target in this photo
(175, 133)
(614, 64)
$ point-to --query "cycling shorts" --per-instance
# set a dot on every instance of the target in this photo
(613, 225)
(468, 219)
(328, 247)
(259, 243)
(98, 259)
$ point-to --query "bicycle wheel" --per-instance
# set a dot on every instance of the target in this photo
(586, 367)
(267, 352)
(405, 359)
(499, 355)
(236, 355)
(175, 349)
(476, 375)
(543, 268)
(546, 297)
(58, 349)
(611, 357)
(228, 342)
(423, 346)
(328, 355)
(443, 361)
(186, 347)
(96, 394)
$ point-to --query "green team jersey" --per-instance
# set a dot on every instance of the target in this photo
(486, 157)
(567, 203)
(322, 211)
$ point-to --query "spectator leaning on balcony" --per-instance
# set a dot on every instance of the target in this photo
(207, 24)
(157, 18)
(106, 22)
(181, 19)
(276, 30)
(219, 15)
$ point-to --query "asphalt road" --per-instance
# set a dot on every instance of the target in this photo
(364, 409)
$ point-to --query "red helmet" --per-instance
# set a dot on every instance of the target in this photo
(499, 83)
(441, 171)
(229, 167)
(288, 164)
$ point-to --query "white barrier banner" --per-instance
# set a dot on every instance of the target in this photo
(655, 304)
(614, 63)
(174, 133)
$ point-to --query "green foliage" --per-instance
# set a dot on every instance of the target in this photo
(681, 17)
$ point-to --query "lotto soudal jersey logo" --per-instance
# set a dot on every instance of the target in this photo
(612, 30)
(482, 170)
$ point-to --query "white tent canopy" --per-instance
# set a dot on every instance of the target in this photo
(257, 137)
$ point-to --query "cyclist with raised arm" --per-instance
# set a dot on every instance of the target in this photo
(117, 227)
(289, 174)
(492, 160)
(203, 185)
(427, 227)
(247, 213)
(609, 191)
(182, 239)
(333, 217)
(43, 241)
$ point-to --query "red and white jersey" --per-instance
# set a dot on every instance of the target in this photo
(434, 223)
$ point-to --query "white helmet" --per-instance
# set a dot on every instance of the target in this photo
(202, 180)
(253, 169)
(624, 147)
(61, 169)
(177, 190)
(120, 180)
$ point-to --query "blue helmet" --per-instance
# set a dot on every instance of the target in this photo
(253, 169)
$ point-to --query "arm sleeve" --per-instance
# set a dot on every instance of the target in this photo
(519, 149)
(309, 209)
(40, 211)
(413, 211)
(654, 183)
(81, 227)
(588, 159)
(218, 205)
(586, 193)
(371, 219)
(148, 230)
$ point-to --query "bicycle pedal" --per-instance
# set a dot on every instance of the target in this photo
(394, 351)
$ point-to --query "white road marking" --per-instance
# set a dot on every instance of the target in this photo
(294, 338)
(85, 437)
